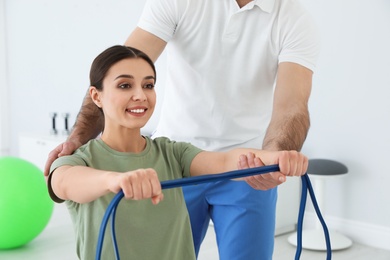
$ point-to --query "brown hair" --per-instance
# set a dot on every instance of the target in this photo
(104, 61)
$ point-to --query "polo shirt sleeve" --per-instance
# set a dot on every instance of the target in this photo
(161, 17)
(300, 40)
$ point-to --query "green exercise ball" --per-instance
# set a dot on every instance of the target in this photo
(25, 205)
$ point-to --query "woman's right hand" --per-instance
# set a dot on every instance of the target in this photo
(138, 184)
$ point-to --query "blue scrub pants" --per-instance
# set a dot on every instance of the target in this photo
(244, 218)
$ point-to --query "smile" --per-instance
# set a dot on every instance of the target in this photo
(137, 111)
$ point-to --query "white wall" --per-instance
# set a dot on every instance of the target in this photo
(52, 43)
(350, 112)
(4, 115)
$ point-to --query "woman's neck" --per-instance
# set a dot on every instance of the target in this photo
(130, 141)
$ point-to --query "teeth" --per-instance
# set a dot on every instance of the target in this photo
(137, 110)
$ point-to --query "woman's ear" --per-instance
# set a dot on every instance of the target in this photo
(95, 96)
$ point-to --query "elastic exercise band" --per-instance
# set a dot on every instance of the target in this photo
(306, 186)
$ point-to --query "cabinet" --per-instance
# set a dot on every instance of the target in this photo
(287, 209)
(35, 149)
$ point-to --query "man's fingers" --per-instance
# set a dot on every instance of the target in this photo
(251, 160)
(242, 162)
(266, 181)
(51, 158)
(66, 148)
(258, 162)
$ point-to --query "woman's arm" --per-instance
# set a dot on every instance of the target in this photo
(291, 163)
(84, 184)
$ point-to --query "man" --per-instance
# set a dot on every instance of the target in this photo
(239, 74)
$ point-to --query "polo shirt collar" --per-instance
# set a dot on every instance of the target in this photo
(264, 5)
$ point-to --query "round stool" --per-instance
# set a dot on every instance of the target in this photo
(319, 171)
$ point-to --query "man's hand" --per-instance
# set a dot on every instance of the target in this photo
(65, 148)
(262, 181)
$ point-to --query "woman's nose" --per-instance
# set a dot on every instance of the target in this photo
(139, 94)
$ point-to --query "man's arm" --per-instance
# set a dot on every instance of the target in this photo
(146, 42)
(89, 124)
(290, 119)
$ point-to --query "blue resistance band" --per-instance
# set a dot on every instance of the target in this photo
(306, 186)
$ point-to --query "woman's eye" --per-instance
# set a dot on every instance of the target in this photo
(124, 86)
(149, 86)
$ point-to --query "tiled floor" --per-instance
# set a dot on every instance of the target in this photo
(57, 243)
(285, 251)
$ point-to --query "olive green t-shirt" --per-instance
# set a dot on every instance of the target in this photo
(144, 231)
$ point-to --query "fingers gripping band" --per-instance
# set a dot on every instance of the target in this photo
(306, 186)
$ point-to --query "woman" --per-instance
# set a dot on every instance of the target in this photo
(122, 83)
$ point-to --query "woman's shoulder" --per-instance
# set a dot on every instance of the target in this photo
(164, 143)
(162, 140)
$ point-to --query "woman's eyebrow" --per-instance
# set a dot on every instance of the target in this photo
(131, 77)
(124, 76)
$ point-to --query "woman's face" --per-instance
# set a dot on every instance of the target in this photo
(128, 97)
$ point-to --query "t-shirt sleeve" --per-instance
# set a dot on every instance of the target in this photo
(188, 155)
(300, 41)
(73, 160)
(183, 153)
